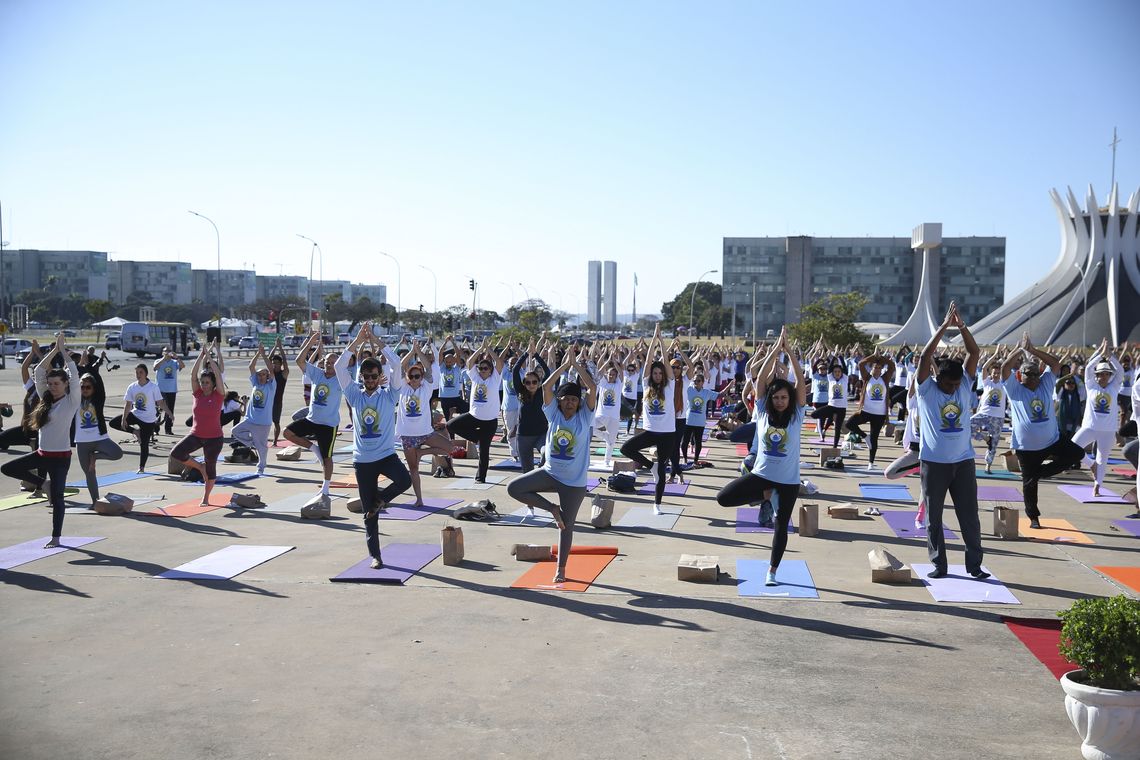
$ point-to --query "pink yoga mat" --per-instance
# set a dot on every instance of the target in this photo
(958, 586)
(1084, 495)
(999, 493)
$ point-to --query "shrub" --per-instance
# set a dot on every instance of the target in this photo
(1102, 636)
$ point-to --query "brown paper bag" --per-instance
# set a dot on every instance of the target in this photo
(808, 524)
(1006, 521)
(1011, 463)
(624, 465)
(827, 452)
(531, 552)
(843, 511)
(173, 466)
(886, 567)
(114, 504)
(451, 541)
(698, 568)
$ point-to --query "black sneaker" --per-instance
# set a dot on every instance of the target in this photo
(938, 572)
(979, 574)
(1034, 523)
(438, 472)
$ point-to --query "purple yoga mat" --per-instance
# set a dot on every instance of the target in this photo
(999, 493)
(407, 511)
(1084, 495)
(401, 561)
(29, 551)
(1128, 526)
(902, 523)
(748, 521)
(671, 489)
(958, 586)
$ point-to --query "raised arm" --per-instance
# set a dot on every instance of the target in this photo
(548, 385)
(1050, 361)
(797, 368)
(926, 361)
(195, 384)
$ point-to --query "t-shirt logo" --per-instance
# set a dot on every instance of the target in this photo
(698, 404)
(655, 407)
(258, 399)
(993, 398)
(168, 371)
(563, 442)
(412, 407)
(836, 390)
(876, 392)
(1037, 411)
(821, 386)
(628, 387)
(608, 397)
(369, 422)
(321, 395)
(87, 418)
(479, 396)
(950, 415)
(775, 441)
(140, 402)
(1100, 403)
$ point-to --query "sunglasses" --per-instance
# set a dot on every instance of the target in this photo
(414, 377)
(485, 367)
(370, 375)
(530, 382)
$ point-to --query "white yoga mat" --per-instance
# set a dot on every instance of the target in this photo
(225, 563)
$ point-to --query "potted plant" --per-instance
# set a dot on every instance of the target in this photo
(1102, 699)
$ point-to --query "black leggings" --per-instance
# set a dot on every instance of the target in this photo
(146, 431)
(897, 395)
(635, 444)
(16, 436)
(832, 414)
(168, 422)
(479, 431)
(211, 450)
(367, 484)
(29, 467)
(877, 421)
(749, 489)
(693, 435)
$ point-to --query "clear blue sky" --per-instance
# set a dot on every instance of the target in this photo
(515, 141)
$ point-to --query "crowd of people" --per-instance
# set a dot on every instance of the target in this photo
(414, 401)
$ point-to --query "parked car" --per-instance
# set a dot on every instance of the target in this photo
(344, 338)
(248, 341)
(232, 341)
(293, 341)
(15, 346)
(114, 340)
(69, 333)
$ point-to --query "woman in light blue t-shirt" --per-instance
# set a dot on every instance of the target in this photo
(571, 416)
(779, 415)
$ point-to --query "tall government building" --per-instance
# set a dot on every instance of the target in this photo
(788, 272)
(601, 293)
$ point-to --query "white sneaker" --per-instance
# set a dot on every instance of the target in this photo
(657, 510)
(770, 579)
(872, 468)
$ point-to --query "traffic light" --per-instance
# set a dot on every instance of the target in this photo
(471, 284)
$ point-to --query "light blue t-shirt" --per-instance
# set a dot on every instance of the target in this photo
(167, 376)
(451, 380)
(259, 410)
(1031, 412)
(510, 395)
(819, 388)
(374, 422)
(944, 423)
(324, 401)
(696, 402)
(568, 444)
(777, 448)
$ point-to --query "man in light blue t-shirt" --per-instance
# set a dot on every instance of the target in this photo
(945, 447)
(1036, 437)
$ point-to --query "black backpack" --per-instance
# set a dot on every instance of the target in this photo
(622, 482)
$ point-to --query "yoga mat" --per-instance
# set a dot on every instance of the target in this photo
(958, 586)
(1084, 495)
(407, 510)
(999, 493)
(793, 576)
(1128, 526)
(224, 563)
(230, 477)
(507, 464)
(981, 474)
(469, 484)
(1052, 529)
(1117, 460)
(1041, 638)
(1126, 471)
(742, 449)
(344, 480)
(190, 508)
(24, 499)
(291, 503)
(599, 465)
(1129, 576)
(601, 451)
(29, 551)
(885, 491)
(643, 517)
(401, 561)
(113, 479)
(748, 521)
(520, 516)
(583, 566)
(902, 523)
(671, 489)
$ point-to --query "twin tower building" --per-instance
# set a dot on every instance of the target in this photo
(601, 294)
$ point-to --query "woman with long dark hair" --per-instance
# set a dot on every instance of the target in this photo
(206, 432)
(59, 399)
(660, 404)
(485, 369)
(91, 439)
(532, 420)
(779, 415)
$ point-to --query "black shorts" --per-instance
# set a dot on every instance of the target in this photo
(324, 435)
(457, 403)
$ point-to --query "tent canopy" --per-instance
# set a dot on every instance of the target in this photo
(112, 322)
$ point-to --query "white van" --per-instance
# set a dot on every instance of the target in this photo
(16, 346)
(149, 338)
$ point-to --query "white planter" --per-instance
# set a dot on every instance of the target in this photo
(1107, 720)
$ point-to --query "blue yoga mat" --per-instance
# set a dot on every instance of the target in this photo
(793, 576)
(885, 491)
(113, 479)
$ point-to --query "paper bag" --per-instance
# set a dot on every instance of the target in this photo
(808, 523)
(1006, 521)
(602, 512)
(698, 568)
(451, 541)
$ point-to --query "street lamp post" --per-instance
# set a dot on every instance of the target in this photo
(434, 290)
(218, 240)
(399, 287)
(309, 303)
(693, 300)
(525, 290)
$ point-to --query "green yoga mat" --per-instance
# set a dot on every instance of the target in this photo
(24, 499)
(997, 475)
(601, 452)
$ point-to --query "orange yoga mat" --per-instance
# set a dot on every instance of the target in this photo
(585, 564)
(1129, 576)
(191, 508)
(1053, 529)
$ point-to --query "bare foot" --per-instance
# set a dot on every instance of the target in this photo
(419, 503)
(557, 513)
(1096, 491)
(53, 544)
(560, 576)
